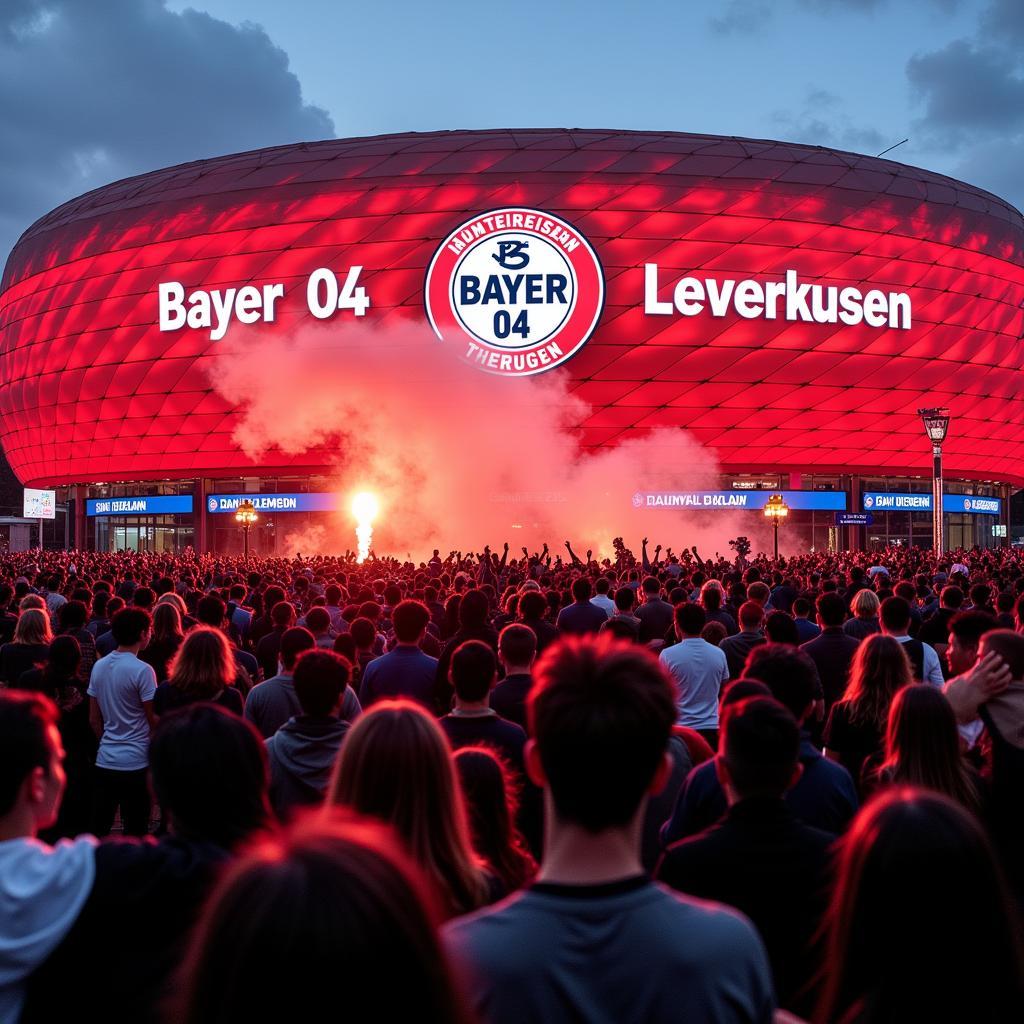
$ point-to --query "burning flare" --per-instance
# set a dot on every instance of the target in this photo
(364, 508)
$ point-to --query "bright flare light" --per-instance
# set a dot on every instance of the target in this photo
(365, 509)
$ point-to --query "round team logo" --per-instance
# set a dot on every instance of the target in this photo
(868, 501)
(638, 500)
(519, 289)
(211, 504)
(967, 504)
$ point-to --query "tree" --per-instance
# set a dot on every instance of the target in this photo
(741, 545)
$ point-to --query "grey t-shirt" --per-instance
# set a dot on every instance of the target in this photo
(271, 703)
(627, 951)
(121, 683)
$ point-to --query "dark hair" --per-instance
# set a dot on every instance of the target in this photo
(651, 585)
(473, 610)
(128, 625)
(970, 627)
(209, 772)
(581, 589)
(690, 618)
(789, 673)
(320, 678)
(740, 689)
(780, 628)
(293, 642)
(331, 901)
(282, 613)
(72, 615)
(211, 611)
(801, 606)
(601, 712)
(144, 597)
(751, 614)
(532, 605)
(318, 619)
(760, 746)
(409, 619)
(625, 598)
(62, 662)
(25, 719)
(491, 804)
(472, 670)
(1009, 645)
(363, 631)
(895, 614)
(916, 874)
(517, 644)
(831, 609)
(951, 597)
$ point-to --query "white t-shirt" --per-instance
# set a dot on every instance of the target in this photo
(700, 670)
(121, 683)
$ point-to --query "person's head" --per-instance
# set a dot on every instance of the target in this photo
(144, 597)
(981, 595)
(602, 585)
(395, 765)
(789, 674)
(780, 628)
(760, 749)
(601, 713)
(690, 619)
(320, 678)
(711, 595)
(211, 611)
(965, 632)
(334, 901)
(880, 669)
(831, 610)
(166, 621)
(759, 593)
(714, 633)
(751, 616)
(922, 745)
(473, 610)
(740, 689)
(864, 604)
(282, 615)
(1009, 646)
(131, 627)
(209, 773)
(410, 620)
(318, 621)
(895, 616)
(951, 597)
(32, 778)
(72, 616)
(32, 601)
(801, 608)
(651, 588)
(517, 647)
(491, 803)
(916, 874)
(63, 659)
(204, 665)
(625, 598)
(293, 642)
(532, 605)
(364, 633)
(33, 627)
(472, 671)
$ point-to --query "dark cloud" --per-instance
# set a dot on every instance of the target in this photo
(741, 17)
(821, 121)
(744, 17)
(1004, 19)
(95, 90)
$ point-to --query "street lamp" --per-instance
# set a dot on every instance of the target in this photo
(776, 509)
(245, 516)
(936, 424)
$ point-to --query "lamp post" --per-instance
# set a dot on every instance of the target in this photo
(776, 510)
(936, 424)
(245, 516)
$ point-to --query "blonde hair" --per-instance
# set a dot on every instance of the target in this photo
(175, 600)
(865, 604)
(166, 620)
(396, 765)
(31, 601)
(33, 627)
(879, 671)
(204, 665)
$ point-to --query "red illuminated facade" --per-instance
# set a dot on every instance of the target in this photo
(91, 390)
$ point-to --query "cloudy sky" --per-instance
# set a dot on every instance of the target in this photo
(95, 90)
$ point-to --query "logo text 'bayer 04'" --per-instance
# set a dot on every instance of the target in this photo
(518, 290)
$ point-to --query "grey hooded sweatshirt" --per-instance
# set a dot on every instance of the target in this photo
(302, 755)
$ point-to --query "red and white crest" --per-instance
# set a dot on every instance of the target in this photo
(520, 290)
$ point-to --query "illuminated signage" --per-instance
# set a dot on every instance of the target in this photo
(777, 300)
(141, 506)
(39, 504)
(325, 501)
(826, 501)
(964, 503)
(972, 505)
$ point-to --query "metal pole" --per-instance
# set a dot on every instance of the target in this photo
(246, 535)
(776, 525)
(938, 533)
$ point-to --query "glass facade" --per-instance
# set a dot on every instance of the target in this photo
(151, 533)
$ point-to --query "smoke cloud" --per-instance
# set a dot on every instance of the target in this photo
(458, 458)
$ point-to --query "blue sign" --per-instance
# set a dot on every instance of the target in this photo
(319, 501)
(826, 501)
(972, 505)
(149, 505)
(880, 502)
(854, 519)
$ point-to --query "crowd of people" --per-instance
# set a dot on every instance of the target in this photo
(498, 787)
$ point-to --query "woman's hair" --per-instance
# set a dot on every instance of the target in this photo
(33, 627)
(209, 772)
(62, 661)
(204, 664)
(395, 765)
(916, 875)
(492, 802)
(865, 604)
(331, 913)
(922, 746)
(879, 671)
(175, 600)
(166, 621)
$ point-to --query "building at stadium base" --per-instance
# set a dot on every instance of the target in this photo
(790, 307)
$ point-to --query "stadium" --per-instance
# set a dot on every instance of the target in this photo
(789, 307)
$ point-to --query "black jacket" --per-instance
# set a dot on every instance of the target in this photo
(832, 651)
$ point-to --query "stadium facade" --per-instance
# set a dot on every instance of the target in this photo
(791, 307)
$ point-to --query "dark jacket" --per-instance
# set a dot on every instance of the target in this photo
(302, 754)
(655, 617)
(580, 618)
(767, 864)
(508, 698)
(403, 672)
(833, 653)
(737, 648)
